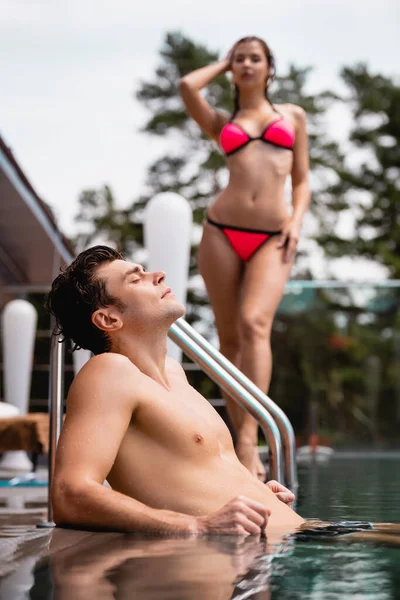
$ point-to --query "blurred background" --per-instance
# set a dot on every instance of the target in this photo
(92, 122)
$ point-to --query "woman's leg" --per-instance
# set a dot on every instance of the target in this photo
(221, 270)
(263, 284)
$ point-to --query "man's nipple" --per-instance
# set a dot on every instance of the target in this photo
(198, 438)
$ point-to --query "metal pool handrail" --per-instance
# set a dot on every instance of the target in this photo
(281, 419)
(220, 375)
(56, 401)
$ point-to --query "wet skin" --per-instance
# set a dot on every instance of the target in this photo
(133, 419)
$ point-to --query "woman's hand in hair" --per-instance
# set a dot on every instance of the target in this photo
(228, 58)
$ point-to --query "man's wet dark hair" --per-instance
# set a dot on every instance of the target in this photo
(77, 293)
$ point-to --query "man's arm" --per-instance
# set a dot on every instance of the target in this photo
(101, 403)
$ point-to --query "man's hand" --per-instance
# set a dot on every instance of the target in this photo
(284, 495)
(240, 516)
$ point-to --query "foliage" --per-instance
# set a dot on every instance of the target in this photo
(316, 360)
(370, 188)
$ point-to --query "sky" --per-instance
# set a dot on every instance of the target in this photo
(69, 70)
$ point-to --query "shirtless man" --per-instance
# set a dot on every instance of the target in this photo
(133, 419)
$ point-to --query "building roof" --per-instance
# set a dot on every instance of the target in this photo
(32, 247)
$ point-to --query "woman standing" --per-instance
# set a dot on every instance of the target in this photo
(250, 236)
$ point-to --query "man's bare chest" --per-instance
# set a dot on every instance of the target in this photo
(181, 419)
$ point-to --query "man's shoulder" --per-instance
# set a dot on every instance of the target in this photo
(107, 368)
(103, 376)
(111, 361)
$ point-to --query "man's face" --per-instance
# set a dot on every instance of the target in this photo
(146, 298)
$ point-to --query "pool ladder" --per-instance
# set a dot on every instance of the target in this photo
(273, 421)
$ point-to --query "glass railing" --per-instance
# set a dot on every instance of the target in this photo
(336, 349)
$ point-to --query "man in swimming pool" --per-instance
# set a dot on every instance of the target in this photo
(133, 419)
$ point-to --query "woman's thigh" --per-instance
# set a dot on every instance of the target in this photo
(264, 280)
(221, 269)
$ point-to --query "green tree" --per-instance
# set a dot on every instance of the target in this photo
(196, 169)
(308, 365)
(100, 221)
(370, 188)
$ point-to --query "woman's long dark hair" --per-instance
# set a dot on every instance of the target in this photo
(270, 60)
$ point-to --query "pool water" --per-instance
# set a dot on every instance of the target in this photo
(360, 486)
(78, 565)
(353, 486)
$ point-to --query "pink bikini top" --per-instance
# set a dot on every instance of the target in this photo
(279, 133)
